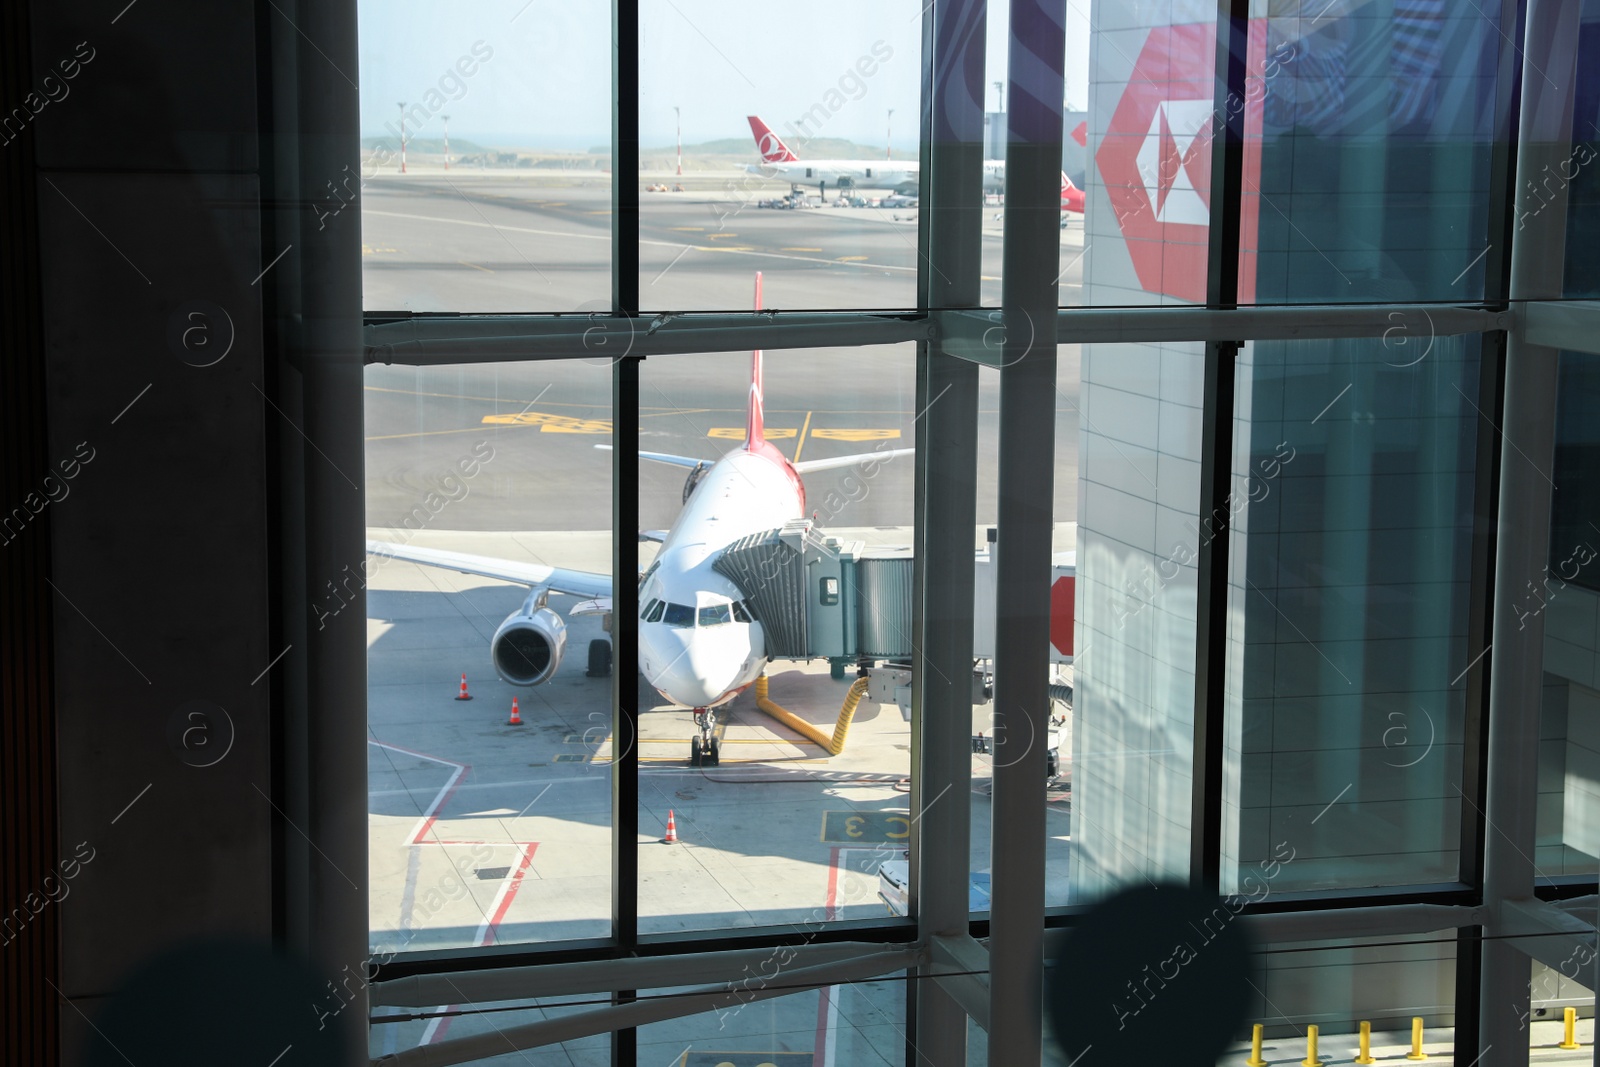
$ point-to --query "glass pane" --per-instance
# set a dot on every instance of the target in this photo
(862, 1024)
(1349, 562)
(1138, 539)
(799, 155)
(1369, 132)
(786, 802)
(1337, 985)
(485, 179)
(480, 831)
(1147, 149)
(1568, 599)
(451, 1021)
(1583, 192)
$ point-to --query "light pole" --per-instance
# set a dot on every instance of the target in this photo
(678, 112)
(446, 141)
(888, 135)
(402, 106)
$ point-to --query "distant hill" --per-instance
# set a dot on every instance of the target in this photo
(433, 145)
(745, 148)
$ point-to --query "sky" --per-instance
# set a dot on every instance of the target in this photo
(540, 75)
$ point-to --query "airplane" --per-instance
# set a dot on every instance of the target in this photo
(700, 644)
(779, 161)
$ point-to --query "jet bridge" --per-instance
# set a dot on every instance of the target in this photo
(818, 596)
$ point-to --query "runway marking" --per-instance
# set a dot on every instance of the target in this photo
(548, 423)
(690, 229)
(851, 259)
(368, 250)
(642, 241)
(721, 236)
(802, 249)
(736, 433)
(724, 248)
(474, 266)
(553, 203)
(830, 434)
(802, 443)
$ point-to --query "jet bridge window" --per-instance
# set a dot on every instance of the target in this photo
(680, 615)
(716, 614)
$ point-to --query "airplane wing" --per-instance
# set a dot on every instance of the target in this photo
(558, 579)
(666, 457)
(806, 466)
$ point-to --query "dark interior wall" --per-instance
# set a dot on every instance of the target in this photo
(148, 222)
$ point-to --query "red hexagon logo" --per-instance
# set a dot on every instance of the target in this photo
(1155, 160)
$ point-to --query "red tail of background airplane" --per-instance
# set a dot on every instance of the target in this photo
(769, 144)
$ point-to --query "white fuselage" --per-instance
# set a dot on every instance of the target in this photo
(700, 646)
(866, 173)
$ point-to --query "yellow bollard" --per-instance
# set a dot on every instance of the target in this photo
(1311, 1048)
(1416, 1052)
(1255, 1059)
(1569, 1023)
(1365, 1055)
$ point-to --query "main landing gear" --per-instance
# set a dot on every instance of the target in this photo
(704, 751)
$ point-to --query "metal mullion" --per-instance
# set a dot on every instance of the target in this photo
(1211, 616)
(1216, 453)
(1227, 165)
(945, 476)
(625, 505)
(1029, 308)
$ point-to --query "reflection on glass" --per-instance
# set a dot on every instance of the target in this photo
(1367, 161)
(862, 1024)
(1138, 543)
(485, 157)
(782, 144)
(1568, 600)
(781, 507)
(1579, 174)
(1349, 564)
(482, 832)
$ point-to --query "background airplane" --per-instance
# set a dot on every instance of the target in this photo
(779, 161)
(700, 644)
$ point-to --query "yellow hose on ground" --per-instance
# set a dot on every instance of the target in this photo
(841, 730)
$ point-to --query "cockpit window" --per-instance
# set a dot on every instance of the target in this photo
(644, 612)
(741, 613)
(653, 613)
(679, 615)
(716, 614)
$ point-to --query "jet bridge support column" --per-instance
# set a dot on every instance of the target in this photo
(950, 221)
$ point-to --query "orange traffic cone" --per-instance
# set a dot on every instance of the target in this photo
(672, 830)
(464, 694)
(516, 716)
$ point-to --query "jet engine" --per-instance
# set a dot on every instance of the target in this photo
(527, 647)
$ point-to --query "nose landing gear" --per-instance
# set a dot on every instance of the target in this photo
(704, 751)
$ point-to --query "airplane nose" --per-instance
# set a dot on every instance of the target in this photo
(686, 672)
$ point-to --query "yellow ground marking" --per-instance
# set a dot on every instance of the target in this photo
(555, 203)
(851, 259)
(423, 433)
(369, 250)
(602, 211)
(721, 236)
(690, 229)
(855, 435)
(736, 433)
(548, 423)
(802, 249)
(655, 410)
(724, 248)
(474, 266)
(802, 442)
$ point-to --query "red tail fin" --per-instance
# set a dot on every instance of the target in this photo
(755, 430)
(771, 147)
(1071, 195)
